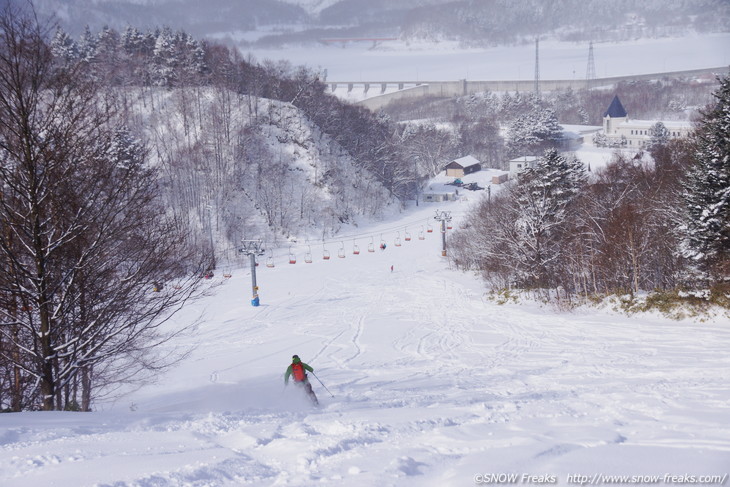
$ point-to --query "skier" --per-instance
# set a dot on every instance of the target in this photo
(298, 370)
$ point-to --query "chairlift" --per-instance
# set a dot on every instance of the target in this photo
(227, 274)
(371, 245)
(429, 228)
(341, 251)
(355, 249)
(292, 257)
(421, 236)
(308, 255)
(407, 236)
(397, 240)
(325, 253)
(270, 260)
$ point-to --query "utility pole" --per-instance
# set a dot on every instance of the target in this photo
(210, 229)
(252, 248)
(415, 177)
(443, 217)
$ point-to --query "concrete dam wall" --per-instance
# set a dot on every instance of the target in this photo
(378, 97)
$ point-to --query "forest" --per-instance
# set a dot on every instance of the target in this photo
(631, 227)
(470, 23)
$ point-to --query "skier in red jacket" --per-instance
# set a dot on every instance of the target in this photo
(299, 369)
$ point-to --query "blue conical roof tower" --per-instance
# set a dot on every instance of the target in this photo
(615, 109)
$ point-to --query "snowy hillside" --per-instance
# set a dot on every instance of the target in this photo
(233, 166)
(313, 7)
(432, 384)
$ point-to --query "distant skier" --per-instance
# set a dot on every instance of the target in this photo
(391, 268)
(298, 370)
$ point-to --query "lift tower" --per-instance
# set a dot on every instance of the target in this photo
(252, 248)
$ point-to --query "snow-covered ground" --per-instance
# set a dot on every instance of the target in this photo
(432, 384)
(398, 61)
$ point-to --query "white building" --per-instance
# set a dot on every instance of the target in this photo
(437, 197)
(519, 164)
(620, 130)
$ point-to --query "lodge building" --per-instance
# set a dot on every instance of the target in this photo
(621, 130)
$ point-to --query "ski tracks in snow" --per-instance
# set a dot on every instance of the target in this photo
(432, 384)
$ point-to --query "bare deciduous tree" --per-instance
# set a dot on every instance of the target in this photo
(83, 233)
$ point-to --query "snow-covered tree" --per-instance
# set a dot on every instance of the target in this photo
(518, 236)
(83, 233)
(533, 132)
(63, 46)
(600, 139)
(659, 134)
(427, 147)
(87, 45)
(706, 224)
(132, 41)
(543, 195)
(165, 58)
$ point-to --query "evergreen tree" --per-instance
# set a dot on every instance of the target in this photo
(706, 226)
(87, 45)
(543, 196)
(165, 58)
(600, 139)
(533, 132)
(659, 136)
(63, 46)
(132, 41)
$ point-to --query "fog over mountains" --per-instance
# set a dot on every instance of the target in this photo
(278, 23)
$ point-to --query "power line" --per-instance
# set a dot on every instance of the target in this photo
(357, 236)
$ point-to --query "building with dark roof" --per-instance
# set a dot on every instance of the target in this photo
(614, 115)
(462, 166)
(615, 109)
(621, 131)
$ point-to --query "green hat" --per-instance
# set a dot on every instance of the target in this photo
(295, 359)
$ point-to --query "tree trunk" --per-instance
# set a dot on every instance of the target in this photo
(86, 388)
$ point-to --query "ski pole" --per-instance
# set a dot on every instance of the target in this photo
(325, 387)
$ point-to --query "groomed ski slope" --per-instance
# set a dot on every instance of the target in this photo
(434, 385)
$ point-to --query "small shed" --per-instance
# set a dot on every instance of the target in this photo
(462, 166)
(500, 179)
